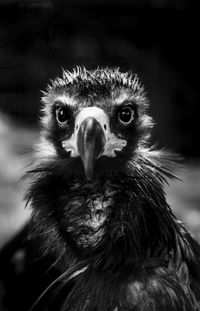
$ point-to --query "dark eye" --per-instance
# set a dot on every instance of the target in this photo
(63, 115)
(126, 115)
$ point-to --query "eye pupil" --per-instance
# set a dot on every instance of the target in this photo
(126, 115)
(62, 115)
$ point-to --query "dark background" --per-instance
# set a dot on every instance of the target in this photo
(158, 39)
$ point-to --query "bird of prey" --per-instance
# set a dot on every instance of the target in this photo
(99, 212)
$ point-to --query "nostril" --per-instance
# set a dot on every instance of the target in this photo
(76, 127)
(105, 127)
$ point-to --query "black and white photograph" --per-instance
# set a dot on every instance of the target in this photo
(99, 155)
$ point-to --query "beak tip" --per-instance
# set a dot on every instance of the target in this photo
(89, 175)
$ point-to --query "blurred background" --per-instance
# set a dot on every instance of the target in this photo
(158, 39)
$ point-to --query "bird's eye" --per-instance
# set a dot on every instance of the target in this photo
(62, 115)
(126, 115)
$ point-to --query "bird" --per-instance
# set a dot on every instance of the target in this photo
(99, 210)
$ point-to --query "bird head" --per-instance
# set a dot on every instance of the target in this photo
(93, 122)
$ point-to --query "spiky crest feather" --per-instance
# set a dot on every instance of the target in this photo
(97, 79)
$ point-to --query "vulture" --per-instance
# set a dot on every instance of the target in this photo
(102, 236)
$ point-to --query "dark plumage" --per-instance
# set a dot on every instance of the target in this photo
(98, 203)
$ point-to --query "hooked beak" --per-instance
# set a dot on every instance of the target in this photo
(90, 144)
(92, 139)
